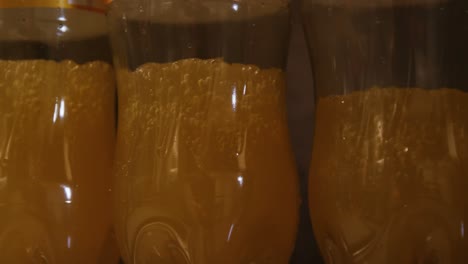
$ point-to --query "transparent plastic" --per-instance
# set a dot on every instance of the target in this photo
(204, 169)
(57, 133)
(389, 171)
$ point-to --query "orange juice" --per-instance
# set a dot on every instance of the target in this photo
(56, 150)
(389, 175)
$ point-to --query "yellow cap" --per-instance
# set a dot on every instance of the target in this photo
(92, 5)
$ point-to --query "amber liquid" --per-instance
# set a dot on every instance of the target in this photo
(389, 176)
(205, 173)
(56, 150)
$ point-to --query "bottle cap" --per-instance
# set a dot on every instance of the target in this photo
(91, 5)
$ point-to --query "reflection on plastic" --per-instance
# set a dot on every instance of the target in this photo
(56, 150)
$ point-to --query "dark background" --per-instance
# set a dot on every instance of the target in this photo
(301, 125)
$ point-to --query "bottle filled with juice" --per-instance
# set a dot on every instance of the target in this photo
(57, 97)
(389, 173)
(204, 168)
